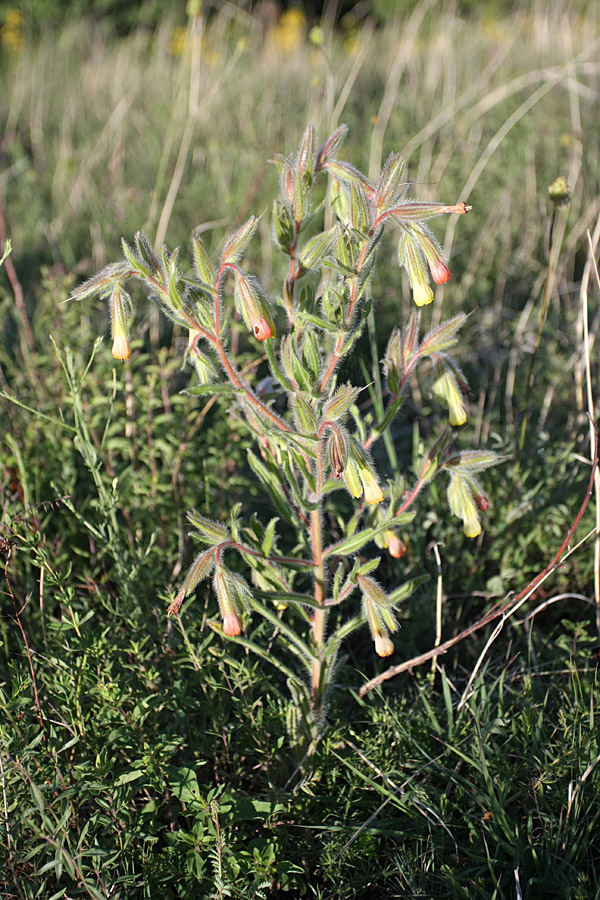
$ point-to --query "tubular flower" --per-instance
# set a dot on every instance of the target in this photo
(121, 348)
(410, 256)
(231, 625)
(439, 270)
(422, 293)
(372, 488)
(227, 602)
(262, 329)
(119, 322)
(253, 307)
(395, 545)
(462, 504)
(384, 645)
(446, 387)
(377, 611)
(360, 477)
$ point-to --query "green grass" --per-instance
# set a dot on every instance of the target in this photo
(143, 758)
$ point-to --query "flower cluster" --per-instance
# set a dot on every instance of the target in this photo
(313, 437)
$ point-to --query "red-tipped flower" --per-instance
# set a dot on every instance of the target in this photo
(121, 348)
(384, 646)
(231, 625)
(262, 329)
(439, 270)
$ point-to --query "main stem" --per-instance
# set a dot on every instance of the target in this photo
(318, 628)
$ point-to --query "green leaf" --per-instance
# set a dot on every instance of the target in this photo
(474, 460)
(314, 251)
(273, 486)
(236, 244)
(269, 537)
(205, 390)
(288, 597)
(304, 414)
(133, 261)
(390, 187)
(443, 337)
(339, 404)
(406, 589)
(361, 217)
(126, 777)
(317, 321)
(184, 783)
(202, 263)
(354, 543)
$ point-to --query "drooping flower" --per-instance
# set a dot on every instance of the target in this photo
(119, 315)
(384, 645)
(462, 504)
(360, 478)
(378, 613)
(394, 545)
(372, 488)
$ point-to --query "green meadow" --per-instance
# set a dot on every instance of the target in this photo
(143, 756)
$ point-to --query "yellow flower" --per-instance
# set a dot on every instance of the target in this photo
(384, 646)
(422, 293)
(121, 348)
(372, 488)
(463, 505)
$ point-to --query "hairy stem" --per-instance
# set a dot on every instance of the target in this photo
(319, 618)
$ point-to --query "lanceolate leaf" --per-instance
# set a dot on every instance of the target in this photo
(236, 244)
(444, 336)
(354, 543)
(406, 589)
(205, 390)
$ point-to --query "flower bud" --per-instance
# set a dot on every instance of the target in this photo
(253, 307)
(283, 226)
(337, 451)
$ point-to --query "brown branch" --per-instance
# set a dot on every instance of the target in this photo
(499, 609)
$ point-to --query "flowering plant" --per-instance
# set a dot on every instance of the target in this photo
(316, 442)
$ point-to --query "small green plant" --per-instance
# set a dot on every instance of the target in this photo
(313, 439)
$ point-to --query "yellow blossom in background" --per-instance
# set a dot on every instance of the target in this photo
(316, 36)
(289, 32)
(11, 33)
(177, 42)
(210, 54)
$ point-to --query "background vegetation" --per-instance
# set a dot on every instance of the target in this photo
(141, 757)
